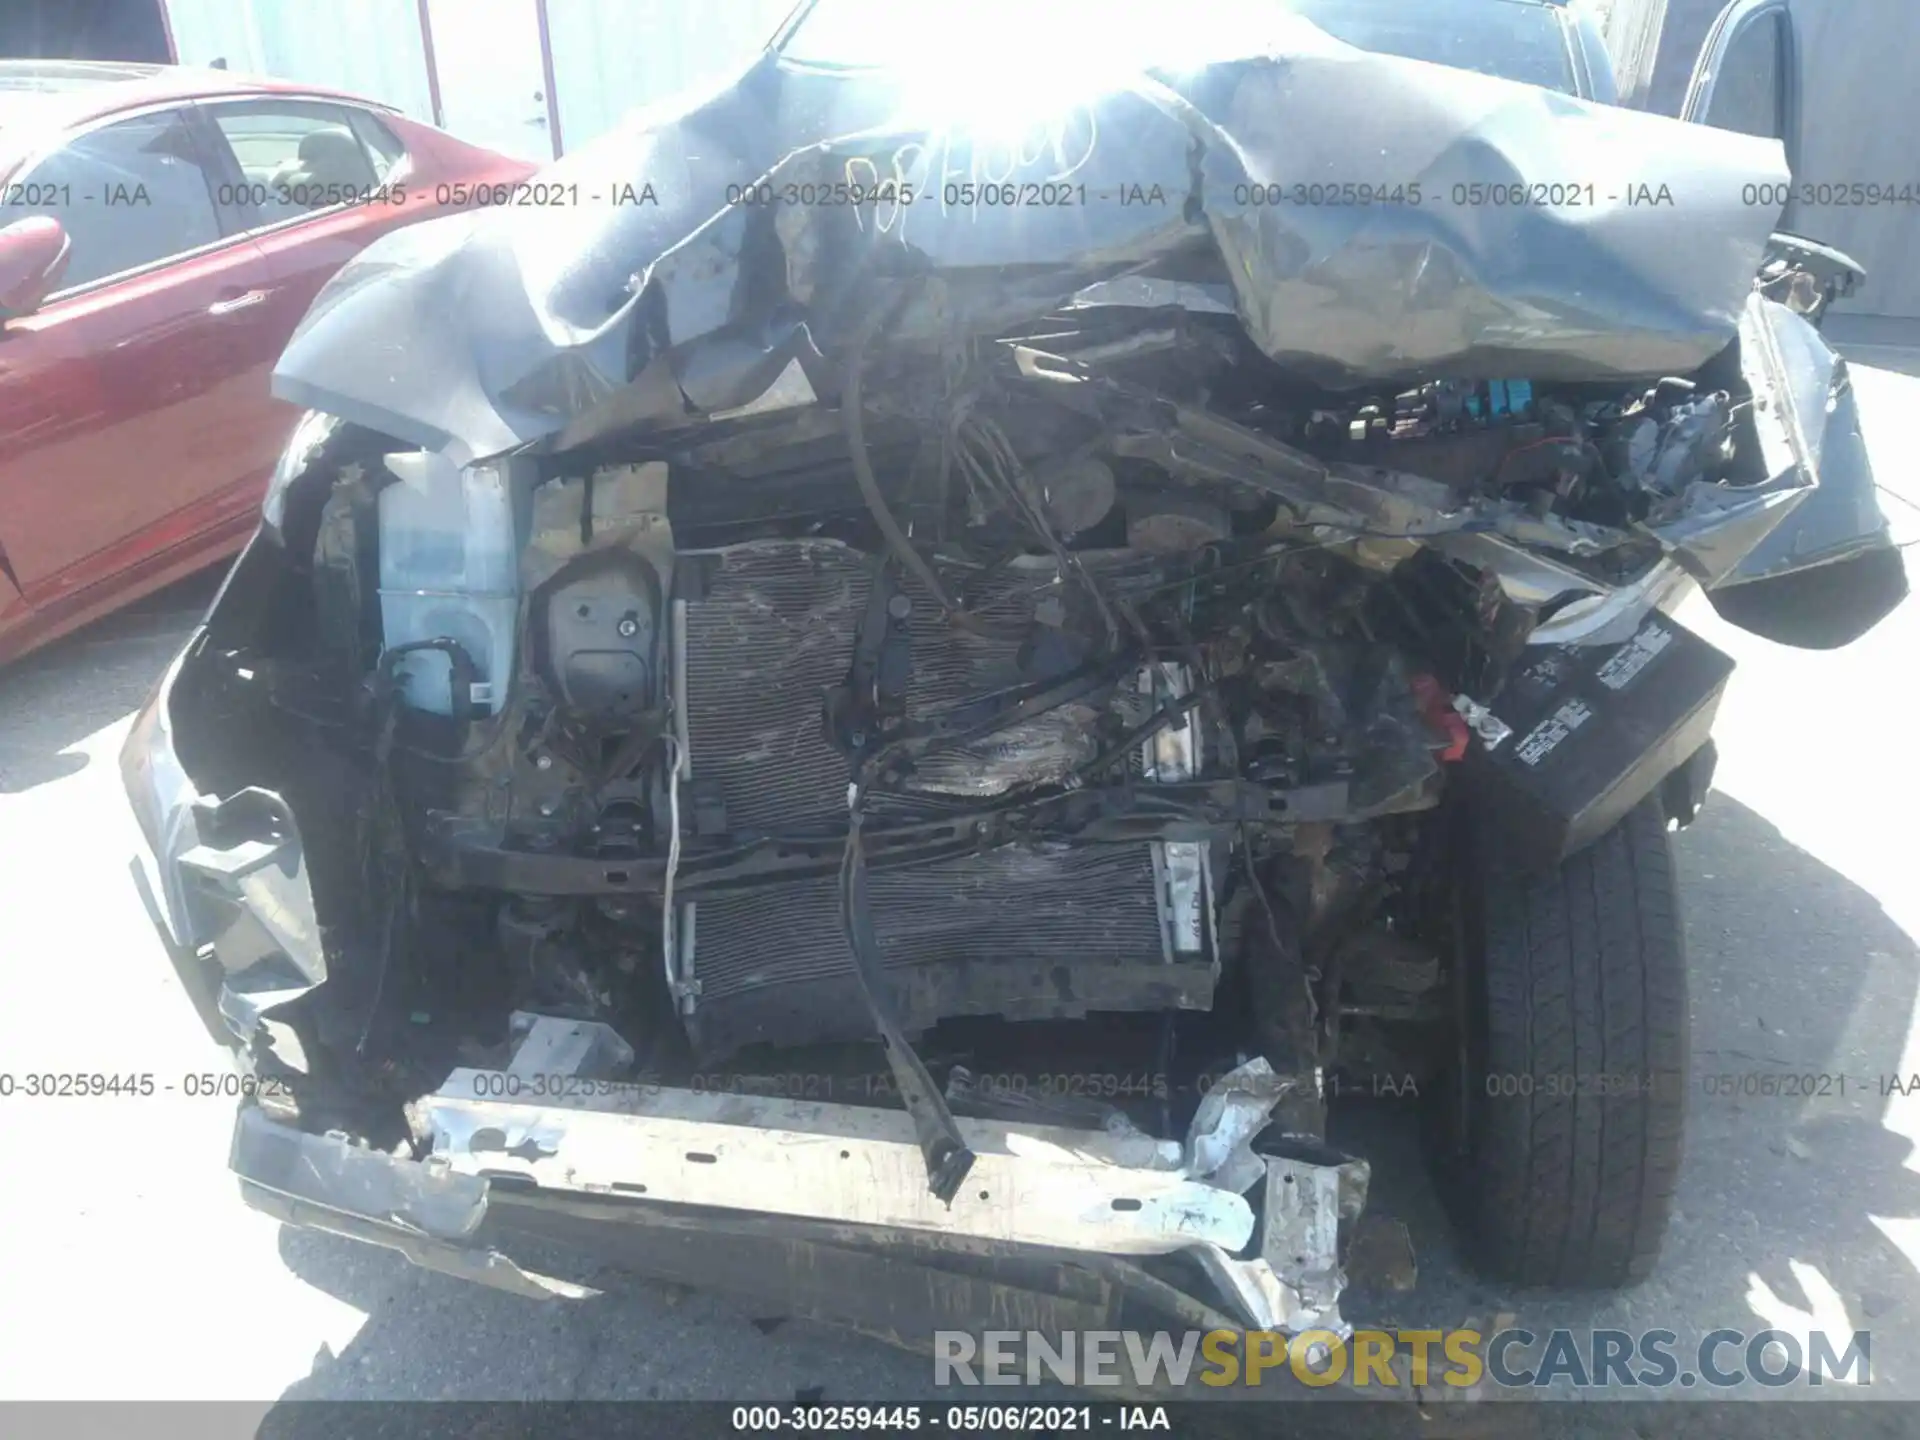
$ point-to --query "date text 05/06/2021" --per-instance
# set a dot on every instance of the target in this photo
(949, 1419)
(134, 1085)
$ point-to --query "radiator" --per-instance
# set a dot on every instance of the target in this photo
(1026, 931)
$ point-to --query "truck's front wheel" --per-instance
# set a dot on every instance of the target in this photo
(1568, 1095)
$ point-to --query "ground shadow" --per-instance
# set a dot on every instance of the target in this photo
(59, 695)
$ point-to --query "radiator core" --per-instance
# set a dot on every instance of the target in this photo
(1025, 931)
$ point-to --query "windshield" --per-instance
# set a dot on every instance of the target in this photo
(1028, 35)
(1515, 39)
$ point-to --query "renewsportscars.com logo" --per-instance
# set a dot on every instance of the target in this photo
(1393, 1359)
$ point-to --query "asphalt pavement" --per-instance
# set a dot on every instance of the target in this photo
(130, 1269)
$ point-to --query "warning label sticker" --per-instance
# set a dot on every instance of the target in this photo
(1545, 737)
(1634, 656)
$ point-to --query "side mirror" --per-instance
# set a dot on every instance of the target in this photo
(33, 256)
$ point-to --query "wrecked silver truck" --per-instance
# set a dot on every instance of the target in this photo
(882, 689)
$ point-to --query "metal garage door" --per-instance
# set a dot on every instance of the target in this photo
(610, 56)
(371, 47)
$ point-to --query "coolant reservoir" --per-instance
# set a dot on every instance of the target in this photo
(448, 570)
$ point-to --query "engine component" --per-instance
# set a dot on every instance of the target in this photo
(1181, 869)
(1441, 407)
(1595, 729)
(1031, 929)
(449, 556)
(1079, 493)
(1026, 931)
(549, 969)
(1168, 524)
(598, 561)
(600, 624)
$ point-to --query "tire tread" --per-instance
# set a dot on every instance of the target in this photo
(1585, 977)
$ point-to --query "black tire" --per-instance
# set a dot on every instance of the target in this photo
(1570, 1092)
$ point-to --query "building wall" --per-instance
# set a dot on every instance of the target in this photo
(1862, 120)
(612, 56)
(1860, 114)
(83, 30)
(371, 47)
(1654, 45)
(480, 59)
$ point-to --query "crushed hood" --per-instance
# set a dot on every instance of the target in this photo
(1515, 231)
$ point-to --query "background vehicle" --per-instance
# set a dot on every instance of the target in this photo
(1542, 42)
(204, 212)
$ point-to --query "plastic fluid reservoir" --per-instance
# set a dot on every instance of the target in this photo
(449, 562)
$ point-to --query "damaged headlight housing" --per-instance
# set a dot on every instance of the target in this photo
(162, 795)
(313, 431)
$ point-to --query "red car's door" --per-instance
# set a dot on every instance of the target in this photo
(324, 180)
(133, 404)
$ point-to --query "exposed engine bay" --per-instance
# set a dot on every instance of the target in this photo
(1093, 696)
(977, 733)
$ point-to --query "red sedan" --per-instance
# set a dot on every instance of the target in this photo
(162, 231)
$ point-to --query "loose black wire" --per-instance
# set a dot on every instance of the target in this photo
(863, 476)
(948, 1158)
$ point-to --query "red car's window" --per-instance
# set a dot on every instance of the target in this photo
(383, 146)
(294, 157)
(129, 195)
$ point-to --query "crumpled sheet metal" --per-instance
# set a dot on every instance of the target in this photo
(1293, 1278)
(1220, 1139)
(1814, 451)
(1814, 471)
(649, 300)
(1117, 1192)
(1295, 1281)
(1112, 1192)
(1813, 468)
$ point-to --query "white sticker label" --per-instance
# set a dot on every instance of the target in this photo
(1545, 737)
(1634, 656)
